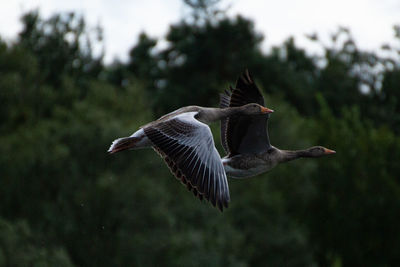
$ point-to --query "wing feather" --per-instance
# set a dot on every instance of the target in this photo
(187, 146)
(239, 134)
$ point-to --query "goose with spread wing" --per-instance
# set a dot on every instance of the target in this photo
(246, 140)
(184, 140)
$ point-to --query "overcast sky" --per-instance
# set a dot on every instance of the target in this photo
(370, 21)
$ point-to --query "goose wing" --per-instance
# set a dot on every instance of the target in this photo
(244, 134)
(187, 146)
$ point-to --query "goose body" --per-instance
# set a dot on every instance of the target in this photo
(248, 165)
(185, 142)
(246, 140)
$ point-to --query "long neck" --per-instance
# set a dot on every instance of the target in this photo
(288, 155)
(208, 115)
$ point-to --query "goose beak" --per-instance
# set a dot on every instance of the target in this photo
(266, 110)
(328, 151)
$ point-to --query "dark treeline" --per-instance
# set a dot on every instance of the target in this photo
(65, 202)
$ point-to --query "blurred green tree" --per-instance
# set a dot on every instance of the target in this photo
(64, 201)
(62, 43)
(352, 214)
(19, 247)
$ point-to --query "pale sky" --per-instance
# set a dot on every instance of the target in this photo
(370, 21)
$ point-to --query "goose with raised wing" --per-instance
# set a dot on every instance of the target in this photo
(184, 140)
(245, 139)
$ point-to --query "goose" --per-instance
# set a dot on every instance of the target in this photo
(185, 142)
(245, 139)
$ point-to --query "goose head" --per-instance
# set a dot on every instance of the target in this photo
(255, 109)
(319, 151)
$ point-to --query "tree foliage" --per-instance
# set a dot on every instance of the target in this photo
(65, 202)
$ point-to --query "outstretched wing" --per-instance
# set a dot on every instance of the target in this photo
(244, 134)
(187, 146)
(246, 91)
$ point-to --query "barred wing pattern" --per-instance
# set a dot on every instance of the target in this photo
(224, 100)
(239, 134)
(187, 146)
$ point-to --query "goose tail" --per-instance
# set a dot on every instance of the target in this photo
(123, 143)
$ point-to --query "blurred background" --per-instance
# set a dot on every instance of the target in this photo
(65, 202)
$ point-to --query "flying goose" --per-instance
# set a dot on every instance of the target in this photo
(184, 140)
(245, 139)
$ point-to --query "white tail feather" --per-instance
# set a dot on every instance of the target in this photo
(135, 141)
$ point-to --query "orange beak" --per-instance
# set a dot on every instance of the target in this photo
(328, 151)
(266, 110)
